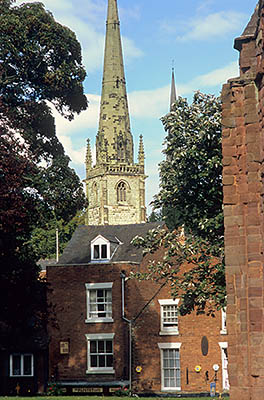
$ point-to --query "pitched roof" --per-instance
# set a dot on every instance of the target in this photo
(78, 251)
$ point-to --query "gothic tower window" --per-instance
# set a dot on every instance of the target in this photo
(121, 192)
(121, 152)
(95, 193)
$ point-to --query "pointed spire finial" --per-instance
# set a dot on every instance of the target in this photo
(173, 95)
(88, 159)
(141, 152)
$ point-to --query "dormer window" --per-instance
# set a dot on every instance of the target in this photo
(100, 249)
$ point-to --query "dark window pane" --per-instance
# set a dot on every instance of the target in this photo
(27, 365)
(94, 361)
(101, 361)
(100, 295)
(101, 347)
(16, 365)
(93, 346)
(104, 251)
(96, 251)
(109, 361)
(109, 347)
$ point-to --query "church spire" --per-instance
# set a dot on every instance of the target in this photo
(173, 96)
(115, 185)
(114, 137)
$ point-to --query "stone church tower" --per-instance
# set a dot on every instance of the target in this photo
(115, 186)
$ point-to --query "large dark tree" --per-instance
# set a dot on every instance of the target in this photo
(191, 201)
(40, 62)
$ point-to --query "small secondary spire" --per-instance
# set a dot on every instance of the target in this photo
(173, 95)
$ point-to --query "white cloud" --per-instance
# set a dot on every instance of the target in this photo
(214, 78)
(216, 24)
(205, 27)
(149, 103)
(77, 156)
(130, 49)
(87, 19)
(85, 120)
(219, 75)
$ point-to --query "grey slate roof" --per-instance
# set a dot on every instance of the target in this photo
(78, 251)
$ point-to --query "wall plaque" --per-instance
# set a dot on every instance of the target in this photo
(64, 347)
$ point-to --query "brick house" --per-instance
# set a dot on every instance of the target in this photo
(107, 331)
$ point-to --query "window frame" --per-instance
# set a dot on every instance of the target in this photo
(97, 286)
(121, 192)
(168, 346)
(97, 337)
(224, 359)
(168, 330)
(22, 365)
(100, 241)
(223, 330)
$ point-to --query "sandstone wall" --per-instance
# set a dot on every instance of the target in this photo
(243, 106)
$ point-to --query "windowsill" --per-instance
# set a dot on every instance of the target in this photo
(100, 371)
(21, 376)
(100, 260)
(98, 320)
(169, 333)
(170, 389)
(223, 332)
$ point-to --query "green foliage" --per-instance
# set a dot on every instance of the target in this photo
(40, 63)
(191, 202)
(191, 174)
(155, 216)
(189, 266)
(54, 389)
(123, 392)
(43, 239)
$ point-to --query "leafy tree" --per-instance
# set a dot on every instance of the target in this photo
(191, 202)
(40, 62)
(155, 216)
(191, 174)
(43, 239)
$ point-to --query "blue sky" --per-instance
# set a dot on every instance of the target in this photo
(197, 35)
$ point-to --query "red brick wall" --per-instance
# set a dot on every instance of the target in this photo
(243, 100)
(67, 296)
(191, 330)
